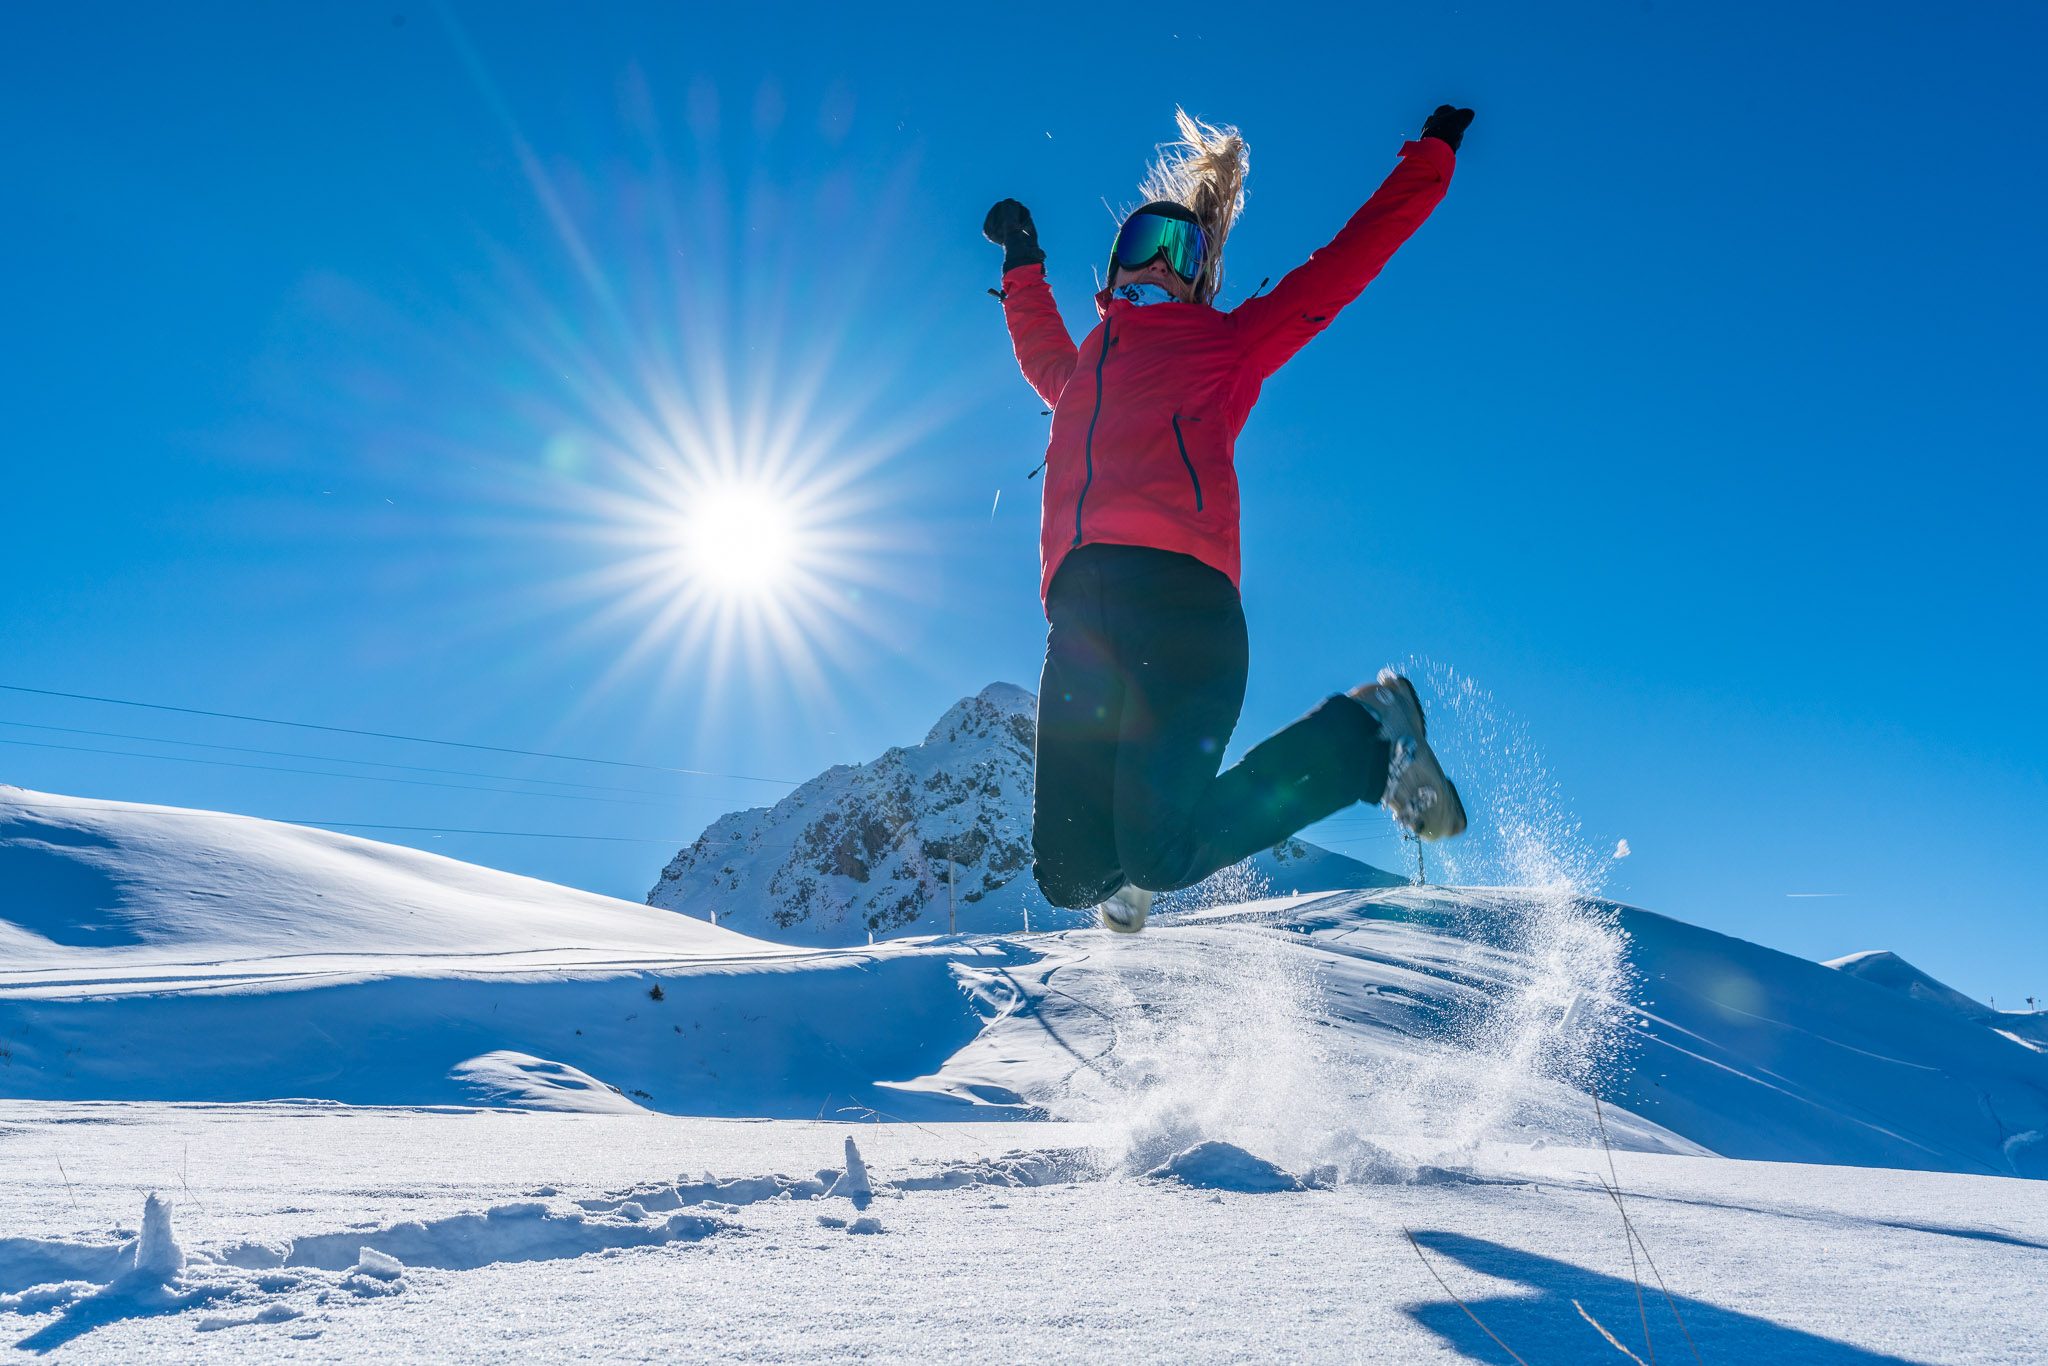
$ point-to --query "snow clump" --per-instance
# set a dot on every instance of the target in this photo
(157, 1254)
(1215, 1165)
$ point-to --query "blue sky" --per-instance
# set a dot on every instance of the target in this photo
(1701, 425)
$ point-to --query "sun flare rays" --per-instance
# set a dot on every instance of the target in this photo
(710, 428)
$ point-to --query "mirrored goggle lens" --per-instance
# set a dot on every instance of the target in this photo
(1145, 237)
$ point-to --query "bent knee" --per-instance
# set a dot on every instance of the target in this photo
(1160, 869)
(1071, 891)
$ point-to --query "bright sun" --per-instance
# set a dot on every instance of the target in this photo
(740, 540)
(721, 460)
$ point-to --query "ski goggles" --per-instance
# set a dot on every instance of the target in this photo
(1148, 237)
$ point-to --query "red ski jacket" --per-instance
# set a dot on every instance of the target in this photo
(1147, 409)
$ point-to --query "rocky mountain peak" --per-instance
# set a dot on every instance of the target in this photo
(923, 839)
(999, 709)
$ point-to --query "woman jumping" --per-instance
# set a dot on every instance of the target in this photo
(1146, 655)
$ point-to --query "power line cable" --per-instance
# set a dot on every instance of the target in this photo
(665, 842)
(325, 773)
(332, 759)
(387, 735)
(390, 735)
(156, 810)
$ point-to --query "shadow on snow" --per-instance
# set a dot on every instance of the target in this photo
(1544, 1325)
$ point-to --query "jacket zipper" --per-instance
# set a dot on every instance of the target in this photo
(1193, 478)
(1088, 446)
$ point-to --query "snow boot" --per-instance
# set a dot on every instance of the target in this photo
(1421, 798)
(1126, 911)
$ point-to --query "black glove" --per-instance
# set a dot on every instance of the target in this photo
(1009, 226)
(1447, 125)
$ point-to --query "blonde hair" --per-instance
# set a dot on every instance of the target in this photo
(1204, 171)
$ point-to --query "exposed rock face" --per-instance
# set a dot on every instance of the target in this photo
(924, 837)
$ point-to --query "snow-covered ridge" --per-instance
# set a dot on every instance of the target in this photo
(154, 953)
(159, 954)
(125, 886)
(1886, 969)
(925, 838)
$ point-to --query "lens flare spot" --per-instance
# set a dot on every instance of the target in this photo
(564, 455)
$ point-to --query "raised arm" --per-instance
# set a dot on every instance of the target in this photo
(1045, 352)
(1274, 326)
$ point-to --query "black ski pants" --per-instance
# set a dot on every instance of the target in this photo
(1144, 678)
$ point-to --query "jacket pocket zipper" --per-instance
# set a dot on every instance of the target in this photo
(1181, 442)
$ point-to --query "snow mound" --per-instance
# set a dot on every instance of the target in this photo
(123, 886)
(522, 1081)
(515, 1231)
(371, 1262)
(853, 1180)
(157, 1254)
(292, 963)
(1886, 969)
(90, 1282)
(1215, 1165)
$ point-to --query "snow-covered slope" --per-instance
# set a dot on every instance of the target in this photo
(324, 1233)
(129, 886)
(1756, 1053)
(158, 953)
(161, 954)
(925, 838)
(1888, 970)
(1733, 1047)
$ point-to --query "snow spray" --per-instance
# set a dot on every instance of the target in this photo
(1232, 1041)
(1222, 1043)
(1225, 1039)
(1561, 1012)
